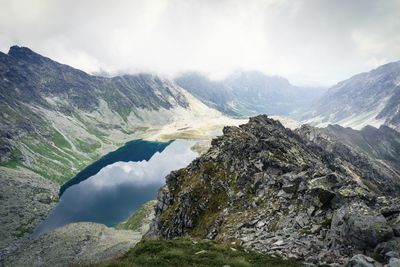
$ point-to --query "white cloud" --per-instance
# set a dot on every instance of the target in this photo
(144, 173)
(306, 40)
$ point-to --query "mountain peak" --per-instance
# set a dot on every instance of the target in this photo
(18, 50)
(24, 53)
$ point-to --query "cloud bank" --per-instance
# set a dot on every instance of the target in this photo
(306, 41)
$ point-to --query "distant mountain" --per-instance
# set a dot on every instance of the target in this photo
(56, 119)
(380, 145)
(371, 98)
(249, 93)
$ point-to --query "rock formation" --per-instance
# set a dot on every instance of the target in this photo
(299, 194)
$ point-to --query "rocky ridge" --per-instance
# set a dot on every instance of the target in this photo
(299, 194)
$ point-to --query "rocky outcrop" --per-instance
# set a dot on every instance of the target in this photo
(298, 194)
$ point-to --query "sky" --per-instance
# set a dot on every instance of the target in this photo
(310, 42)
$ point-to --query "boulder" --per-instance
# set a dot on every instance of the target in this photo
(391, 246)
(328, 181)
(396, 229)
(394, 262)
(323, 196)
(367, 230)
(360, 260)
(360, 226)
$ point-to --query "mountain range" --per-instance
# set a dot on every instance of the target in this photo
(250, 93)
(370, 98)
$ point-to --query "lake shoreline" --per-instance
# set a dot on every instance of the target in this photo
(111, 189)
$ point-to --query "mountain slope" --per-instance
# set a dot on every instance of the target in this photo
(249, 93)
(371, 98)
(381, 144)
(56, 119)
(299, 194)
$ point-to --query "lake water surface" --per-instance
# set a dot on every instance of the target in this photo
(117, 190)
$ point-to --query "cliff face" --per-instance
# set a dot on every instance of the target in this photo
(300, 194)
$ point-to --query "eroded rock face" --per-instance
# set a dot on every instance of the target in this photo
(301, 195)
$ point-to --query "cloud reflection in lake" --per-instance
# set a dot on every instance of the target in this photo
(117, 190)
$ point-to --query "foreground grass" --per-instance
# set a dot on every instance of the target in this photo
(186, 252)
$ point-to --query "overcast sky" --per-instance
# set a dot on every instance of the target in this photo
(306, 41)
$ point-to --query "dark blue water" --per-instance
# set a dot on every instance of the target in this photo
(135, 150)
(117, 190)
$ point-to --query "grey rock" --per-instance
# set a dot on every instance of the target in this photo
(393, 254)
(392, 245)
(316, 229)
(323, 195)
(359, 225)
(396, 230)
(290, 188)
(368, 230)
(260, 224)
(361, 261)
(302, 219)
(394, 262)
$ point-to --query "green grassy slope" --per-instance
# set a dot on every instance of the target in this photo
(186, 252)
